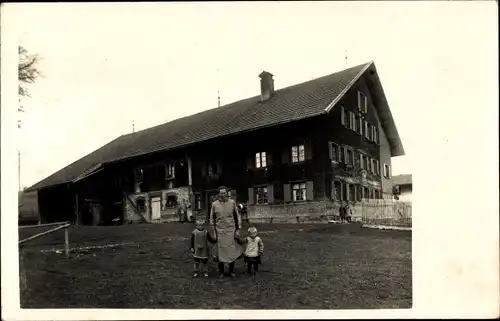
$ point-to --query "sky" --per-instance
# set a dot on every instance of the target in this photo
(107, 65)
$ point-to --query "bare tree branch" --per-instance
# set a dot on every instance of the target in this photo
(27, 70)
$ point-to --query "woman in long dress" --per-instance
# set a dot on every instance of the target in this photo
(227, 223)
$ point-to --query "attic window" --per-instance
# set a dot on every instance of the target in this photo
(362, 103)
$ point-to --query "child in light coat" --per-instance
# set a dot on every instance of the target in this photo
(254, 248)
(199, 247)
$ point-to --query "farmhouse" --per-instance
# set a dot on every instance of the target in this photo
(287, 153)
(403, 187)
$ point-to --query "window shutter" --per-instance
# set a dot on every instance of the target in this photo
(270, 193)
(330, 150)
(308, 150)
(367, 133)
(342, 115)
(361, 161)
(219, 167)
(359, 192)
(250, 161)
(204, 170)
(269, 159)
(251, 196)
(285, 157)
(345, 155)
(310, 190)
(287, 193)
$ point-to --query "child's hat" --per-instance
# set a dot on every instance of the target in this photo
(252, 229)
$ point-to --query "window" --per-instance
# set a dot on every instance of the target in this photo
(170, 171)
(171, 201)
(298, 154)
(367, 163)
(358, 125)
(141, 205)
(352, 121)
(352, 192)
(341, 154)
(375, 134)
(362, 161)
(344, 117)
(335, 152)
(349, 155)
(299, 192)
(260, 160)
(365, 192)
(261, 195)
(139, 175)
(344, 191)
(367, 130)
(197, 202)
(359, 192)
(212, 169)
(370, 132)
(362, 102)
(377, 194)
(387, 171)
(338, 190)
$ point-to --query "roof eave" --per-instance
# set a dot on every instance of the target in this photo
(348, 87)
(384, 112)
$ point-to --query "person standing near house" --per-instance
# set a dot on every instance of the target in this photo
(199, 248)
(345, 212)
(227, 224)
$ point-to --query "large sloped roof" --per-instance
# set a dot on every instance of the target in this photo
(296, 102)
(404, 179)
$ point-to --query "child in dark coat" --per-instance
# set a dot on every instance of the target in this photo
(200, 249)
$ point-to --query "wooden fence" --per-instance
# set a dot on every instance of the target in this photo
(59, 226)
(384, 212)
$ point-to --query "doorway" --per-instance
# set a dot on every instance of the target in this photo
(156, 208)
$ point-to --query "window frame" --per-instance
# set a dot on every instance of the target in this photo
(303, 191)
(335, 149)
(298, 147)
(362, 103)
(262, 157)
(352, 159)
(387, 171)
(256, 194)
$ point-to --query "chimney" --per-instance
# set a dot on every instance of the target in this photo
(266, 85)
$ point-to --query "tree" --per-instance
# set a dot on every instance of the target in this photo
(27, 70)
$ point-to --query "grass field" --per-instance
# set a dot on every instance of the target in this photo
(304, 267)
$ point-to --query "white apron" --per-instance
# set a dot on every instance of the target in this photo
(228, 250)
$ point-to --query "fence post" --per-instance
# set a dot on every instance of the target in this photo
(66, 241)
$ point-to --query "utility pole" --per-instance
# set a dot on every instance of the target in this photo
(133, 126)
(346, 58)
(19, 168)
(218, 89)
